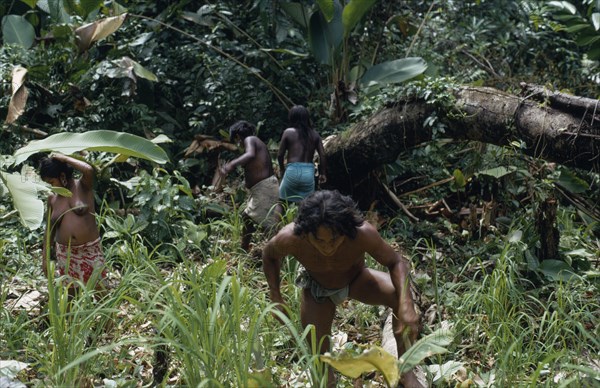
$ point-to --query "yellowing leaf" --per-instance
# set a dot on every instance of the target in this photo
(16, 107)
(370, 360)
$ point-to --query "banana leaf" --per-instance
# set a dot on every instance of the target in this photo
(101, 140)
(24, 194)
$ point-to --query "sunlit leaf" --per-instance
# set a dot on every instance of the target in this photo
(25, 199)
(497, 172)
(161, 139)
(201, 17)
(459, 178)
(327, 7)
(30, 3)
(564, 5)
(286, 51)
(17, 30)
(101, 140)
(445, 371)
(596, 20)
(516, 236)
(373, 359)
(142, 72)
(353, 12)
(16, 107)
(395, 71)
(98, 30)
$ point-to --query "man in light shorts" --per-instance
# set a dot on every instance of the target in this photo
(262, 209)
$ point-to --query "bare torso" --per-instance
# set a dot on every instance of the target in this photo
(73, 218)
(336, 271)
(297, 149)
(260, 166)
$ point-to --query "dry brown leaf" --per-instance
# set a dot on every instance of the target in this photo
(203, 143)
(16, 107)
(89, 33)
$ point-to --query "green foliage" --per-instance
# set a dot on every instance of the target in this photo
(164, 202)
(17, 30)
(180, 285)
(25, 188)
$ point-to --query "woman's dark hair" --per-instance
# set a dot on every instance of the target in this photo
(331, 209)
(241, 128)
(52, 168)
(299, 118)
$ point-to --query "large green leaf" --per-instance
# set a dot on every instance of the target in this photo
(353, 12)
(327, 8)
(324, 37)
(298, 12)
(395, 71)
(17, 30)
(556, 270)
(432, 344)
(24, 194)
(101, 140)
(572, 182)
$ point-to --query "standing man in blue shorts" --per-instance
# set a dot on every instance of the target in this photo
(299, 141)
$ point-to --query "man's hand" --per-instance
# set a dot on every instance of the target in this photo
(224, 169)
(322, 179)
(408, 327)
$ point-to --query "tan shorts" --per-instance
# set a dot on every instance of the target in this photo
(262, 200)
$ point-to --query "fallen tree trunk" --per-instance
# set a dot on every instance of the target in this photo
(552, 132)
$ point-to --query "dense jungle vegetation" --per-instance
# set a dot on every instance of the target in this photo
(188, 307)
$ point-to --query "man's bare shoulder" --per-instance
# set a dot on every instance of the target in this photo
(286, 238)
(291, 131)
(367, 229)
(286, 234)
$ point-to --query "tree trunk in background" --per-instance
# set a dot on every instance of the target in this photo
(547, 230)
(550, 126)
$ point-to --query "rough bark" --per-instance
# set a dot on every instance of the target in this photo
(547, 230)
(564, 133)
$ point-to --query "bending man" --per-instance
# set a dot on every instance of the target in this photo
(330, 239)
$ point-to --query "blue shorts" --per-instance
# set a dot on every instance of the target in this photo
(298, 182)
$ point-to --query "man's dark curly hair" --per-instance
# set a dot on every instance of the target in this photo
(52, 168)
(331, 209)
(241, 128)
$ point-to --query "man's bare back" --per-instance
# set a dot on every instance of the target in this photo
(300, 142)
(259, 167)
(297, 149)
